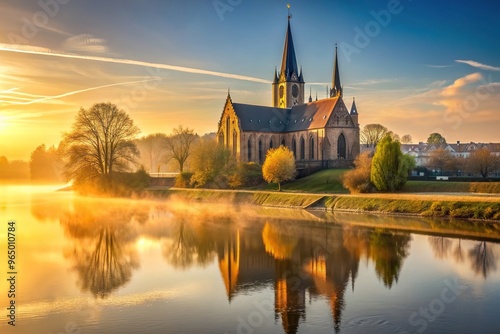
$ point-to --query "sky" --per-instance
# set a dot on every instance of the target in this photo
(414, 66)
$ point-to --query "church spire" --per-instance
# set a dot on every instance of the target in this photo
(354, 109)
(288, 85)
(336, 85)
(289, 61)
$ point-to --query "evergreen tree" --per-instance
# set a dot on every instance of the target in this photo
(390, 166)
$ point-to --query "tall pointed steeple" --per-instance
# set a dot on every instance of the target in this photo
(289, 61)
(354, 109)
(288, 85)
(336, 85)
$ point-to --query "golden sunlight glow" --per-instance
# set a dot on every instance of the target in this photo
(3, 123)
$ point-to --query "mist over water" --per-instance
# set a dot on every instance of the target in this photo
(96, 265)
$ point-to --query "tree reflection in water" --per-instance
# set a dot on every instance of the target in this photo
(103, 244)
(441, 246)
(480, 255)
(482, 260)
(389, 249)
(191, 241)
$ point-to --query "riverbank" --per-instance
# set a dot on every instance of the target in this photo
(453, 205)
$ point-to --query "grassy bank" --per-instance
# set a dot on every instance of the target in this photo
(484, 210)
(419, 205)
(273, 199)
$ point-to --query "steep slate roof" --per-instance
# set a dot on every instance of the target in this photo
(260, 118)
(312, 115)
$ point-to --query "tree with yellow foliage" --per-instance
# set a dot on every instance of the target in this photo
(279, 166)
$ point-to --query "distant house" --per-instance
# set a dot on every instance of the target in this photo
(321, 133)
(422, 151)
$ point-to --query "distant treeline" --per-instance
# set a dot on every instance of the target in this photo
(45, 166)
(16, 170)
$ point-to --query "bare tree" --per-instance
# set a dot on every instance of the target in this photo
(372, 134)
(441, 159)
(482, 161)
(153, 151)
(179, 145)
(100, 143)
(406, 139)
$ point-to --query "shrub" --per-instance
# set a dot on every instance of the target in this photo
(358, 179)
(183, 180)
(246, 175)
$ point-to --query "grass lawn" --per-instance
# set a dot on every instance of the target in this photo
(436, 186)
(324, 181)
(328, 181)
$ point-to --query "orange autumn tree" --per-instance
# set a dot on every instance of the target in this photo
(279, 166)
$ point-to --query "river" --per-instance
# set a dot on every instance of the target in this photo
(94, 265)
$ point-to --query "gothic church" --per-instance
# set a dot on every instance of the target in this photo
(321, 133)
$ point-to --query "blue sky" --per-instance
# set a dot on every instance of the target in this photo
(434, 66)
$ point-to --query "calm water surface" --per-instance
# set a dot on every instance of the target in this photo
(122, 266)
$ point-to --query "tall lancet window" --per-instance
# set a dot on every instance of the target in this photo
(249, 148)
(302, 148)
(311, 148)
(228, 124)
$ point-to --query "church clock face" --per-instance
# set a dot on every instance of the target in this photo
(295, 91)
(282, 91)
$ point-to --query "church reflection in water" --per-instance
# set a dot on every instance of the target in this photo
(320, 260)
(298, 261)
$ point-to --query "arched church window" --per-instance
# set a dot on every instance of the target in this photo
(260, 150)
(294, 147)
(249, 148)
(227, 131)
(302, 148)
(235, 143)
(311, 148)
(341, 147)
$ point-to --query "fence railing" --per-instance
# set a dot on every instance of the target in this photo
(165, 175)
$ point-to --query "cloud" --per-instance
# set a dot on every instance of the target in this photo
(454, 89)
(47, 52)
(46, 98)
(85, 43)
(478, 65)
(438, 66)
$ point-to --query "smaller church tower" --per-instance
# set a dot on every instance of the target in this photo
(354, 112)
(336, 89)
(288, 84)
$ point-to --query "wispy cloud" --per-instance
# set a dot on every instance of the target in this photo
(438, 66)
(55, 97)
(47, 52)
(478, 65)
(85, 43)
(374, 82)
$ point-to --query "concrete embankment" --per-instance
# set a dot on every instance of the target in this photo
(427, 205)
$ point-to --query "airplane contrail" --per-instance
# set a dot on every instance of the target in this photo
(79, 91)
(47, 52)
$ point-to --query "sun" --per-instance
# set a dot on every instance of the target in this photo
(3, 122)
